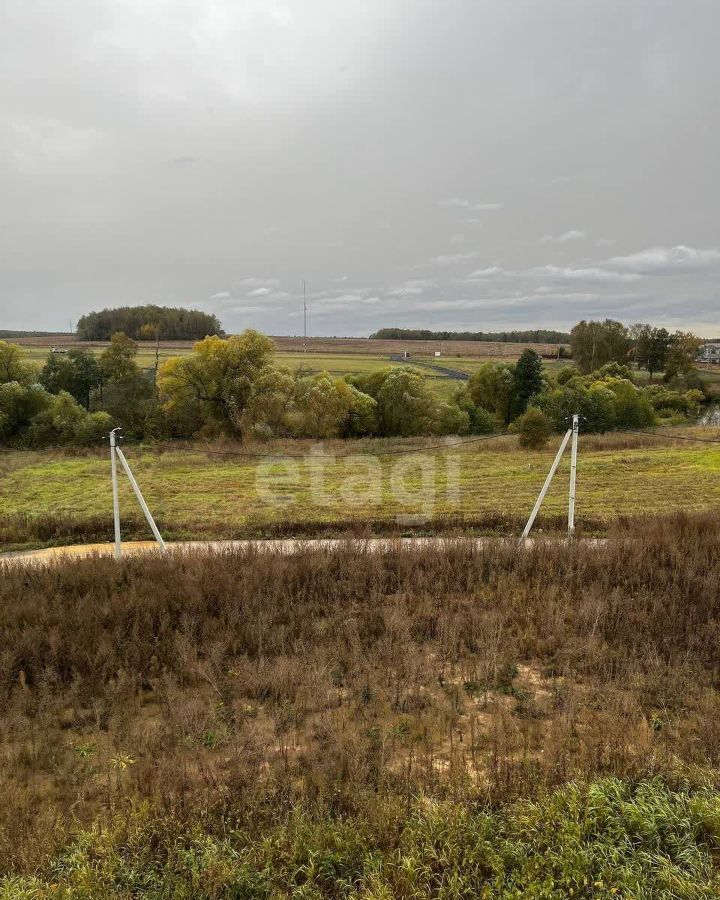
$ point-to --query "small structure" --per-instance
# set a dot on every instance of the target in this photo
(709, 353)
(437, 353)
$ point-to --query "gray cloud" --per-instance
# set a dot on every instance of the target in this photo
(574, 234)
(670, 260)
(459, 203)
(198, 153)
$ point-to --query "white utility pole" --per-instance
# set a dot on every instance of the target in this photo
(551, 474)
(116, 499)
(115, 454)
(573, 473)
(140, 498)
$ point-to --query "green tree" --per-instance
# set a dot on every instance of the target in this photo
(12, 366)
(527, 381)
(491, 388)
(566, 374)
(598, 408)
(362, 416)
(693, 398)
(451, 419)
(682, 351)
(125, 393)
(218, 377)
(651, 347)
(173, 323)
(406, 405)
(117, 362)
(534, 428)
(632, 406)
(19, 404)
(271, 404)
(595, 343)
(324, 405)
(78, 373)
(480, 421)
(58, 423)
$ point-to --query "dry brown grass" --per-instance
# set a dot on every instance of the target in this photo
(226, 683)
(470, 349)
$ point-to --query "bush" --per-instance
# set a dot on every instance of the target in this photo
(566, 374)
(534, 429)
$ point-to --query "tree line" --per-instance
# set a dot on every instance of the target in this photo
(532, 336)
(593, 344)
(234, 388)
(148, 323)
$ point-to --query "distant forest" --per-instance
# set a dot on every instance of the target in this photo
(539, 336)
(9, 333)
(145, 323)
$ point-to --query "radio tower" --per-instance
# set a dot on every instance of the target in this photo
(304, 320)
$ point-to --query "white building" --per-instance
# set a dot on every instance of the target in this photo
(709, 353)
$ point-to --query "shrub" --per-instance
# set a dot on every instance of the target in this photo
(534, 429)
(566, 374)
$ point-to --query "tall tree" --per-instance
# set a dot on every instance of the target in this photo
(117, 361)
(681, 354)
(596, 343)
(78, 373)
(12, 365)
(218, 377)
(491, 388)
(124, 390)
(651, 348)
(527, 381)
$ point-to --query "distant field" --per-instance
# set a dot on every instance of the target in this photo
(337, 356)
(335, 346)
(465, 349)
(477, 485)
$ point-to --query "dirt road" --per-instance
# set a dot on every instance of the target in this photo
(286, 546)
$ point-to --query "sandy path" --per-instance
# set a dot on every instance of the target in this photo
(283, 546)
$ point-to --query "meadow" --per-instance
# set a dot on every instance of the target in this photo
(489, 722)
(340, 487)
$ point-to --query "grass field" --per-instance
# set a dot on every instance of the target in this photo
(483, 486)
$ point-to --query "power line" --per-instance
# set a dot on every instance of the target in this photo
(674, 437)
(171, 448)
(401, 451)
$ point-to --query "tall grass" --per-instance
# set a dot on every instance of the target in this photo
(235, 692)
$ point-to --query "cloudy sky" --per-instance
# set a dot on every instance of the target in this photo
(476, 164)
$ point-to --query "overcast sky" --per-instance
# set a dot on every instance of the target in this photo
(477, 164)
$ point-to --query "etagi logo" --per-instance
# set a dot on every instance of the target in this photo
(412, 487)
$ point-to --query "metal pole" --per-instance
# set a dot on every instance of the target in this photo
(141, 499)
(116, 499)
(304, 320)
(551, 474)
(573, 473)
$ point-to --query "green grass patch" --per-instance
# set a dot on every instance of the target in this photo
(606, 839)
(197, 495)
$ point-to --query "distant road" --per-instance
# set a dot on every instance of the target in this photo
(454, 374)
